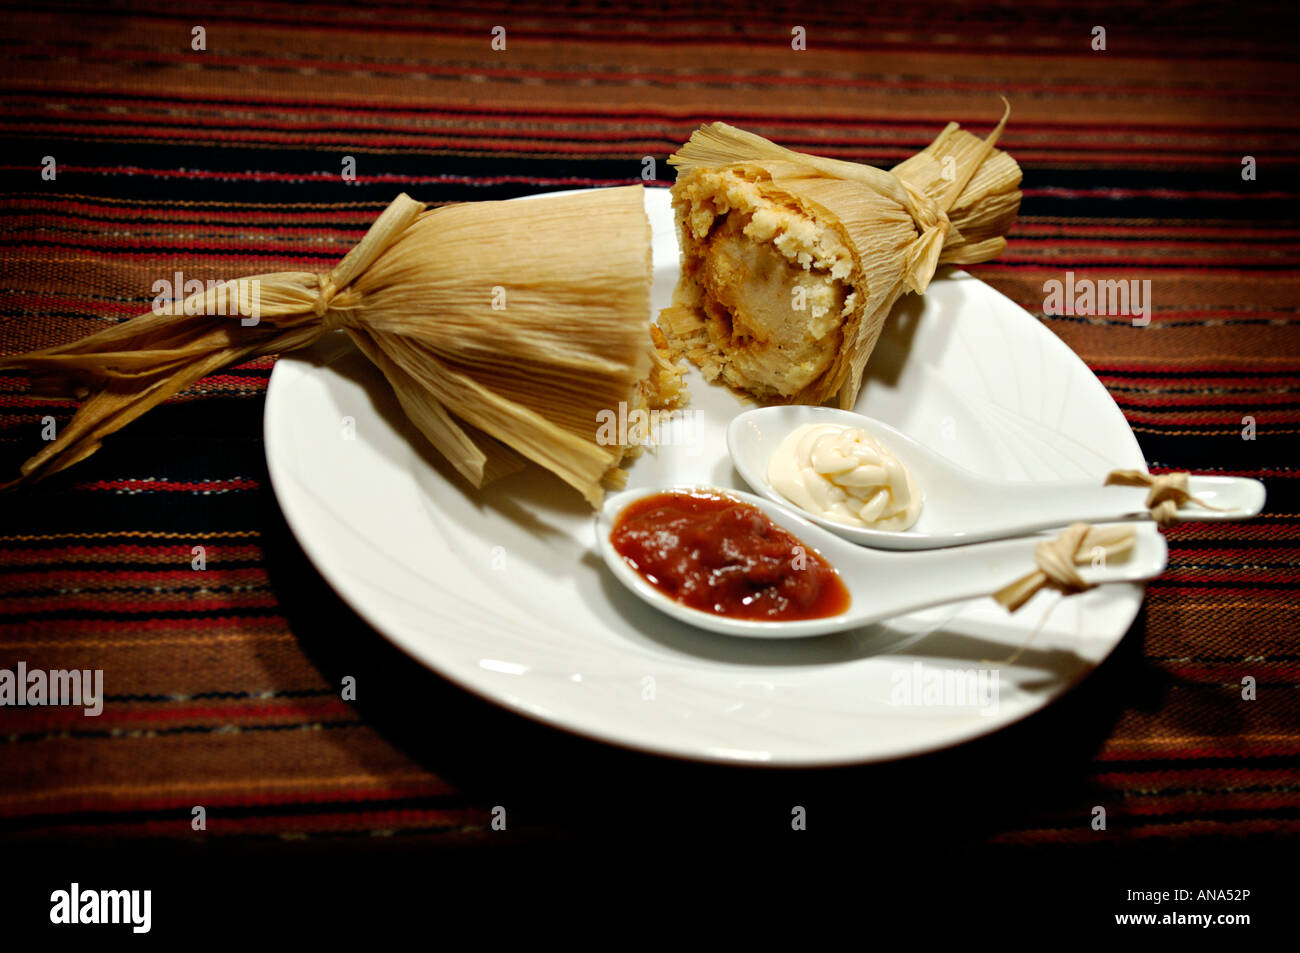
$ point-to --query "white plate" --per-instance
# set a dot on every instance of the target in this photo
(503, 593)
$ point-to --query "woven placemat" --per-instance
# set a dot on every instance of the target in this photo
(223, 686)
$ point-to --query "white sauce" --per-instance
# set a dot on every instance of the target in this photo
(844, 474)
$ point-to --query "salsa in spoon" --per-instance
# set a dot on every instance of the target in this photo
(879, 585)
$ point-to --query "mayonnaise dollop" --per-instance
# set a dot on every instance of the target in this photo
(844, 474)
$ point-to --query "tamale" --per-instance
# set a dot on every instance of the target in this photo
(505, 328)
(791, 262)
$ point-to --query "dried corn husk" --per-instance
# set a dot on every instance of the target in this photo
(503, 327)
(950, 203)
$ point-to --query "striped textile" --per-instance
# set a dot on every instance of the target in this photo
(226, 161)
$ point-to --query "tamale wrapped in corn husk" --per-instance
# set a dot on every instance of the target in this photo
(791, 262)
(504, 328)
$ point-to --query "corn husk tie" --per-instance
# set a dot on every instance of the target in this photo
(488, 387)
(1056, 559)
(1167, 493)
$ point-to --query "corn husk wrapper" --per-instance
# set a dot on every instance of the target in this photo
(951, 203)
(490, 387)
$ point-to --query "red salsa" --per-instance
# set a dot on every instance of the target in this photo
(720, 555)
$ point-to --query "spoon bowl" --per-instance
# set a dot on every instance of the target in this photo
(962, 507)
(881, 585)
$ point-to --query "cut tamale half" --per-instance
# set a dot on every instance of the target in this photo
(791, 263)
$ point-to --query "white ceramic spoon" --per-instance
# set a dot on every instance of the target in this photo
(881, 585)
(962, 507)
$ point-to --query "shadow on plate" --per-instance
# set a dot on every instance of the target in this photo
(895, 342)
(559, 785)
(519, 497)
(921, 635)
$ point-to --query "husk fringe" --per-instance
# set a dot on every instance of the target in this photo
(489, 387)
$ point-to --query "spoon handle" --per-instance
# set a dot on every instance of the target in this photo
(1029, 507)
(924, 578)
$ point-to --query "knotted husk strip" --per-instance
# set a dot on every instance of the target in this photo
(899, 225)
(1056, 558)
(1167, 493)
(487, 386)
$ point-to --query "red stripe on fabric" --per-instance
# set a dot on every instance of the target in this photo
(163, 485)
(93, 242)
(1244, 554)
(1251, 801)
(38, 225)
(888, 34)
(1244, 366)
(1208, 417)
(1237, 775)
(134, 552)
(1057, 191)
(594, 144)
(120, 55)
(334, 176)
(1161, 589)
(604, 115)
(1153, 239)
(199, 213)
(333, 822)
(163, 577)
(252, 798)
(1176, 400)
(1198, 381)
(1241, 829)
(1018, 254)
(1001, 268)
(34, 407)
(1221, 532)
(46, 717)
(158, 602)
(1070, 229)
(207, 625)
(118, 110)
